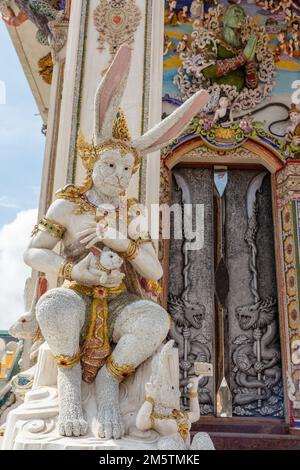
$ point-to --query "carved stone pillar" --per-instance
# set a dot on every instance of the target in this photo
(288, 211)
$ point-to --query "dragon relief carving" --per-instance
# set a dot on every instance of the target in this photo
(189, 321)
(256, 381)
(260, 318)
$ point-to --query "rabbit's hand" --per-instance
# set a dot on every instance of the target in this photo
(194, 383)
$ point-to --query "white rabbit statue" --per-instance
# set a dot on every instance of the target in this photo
(136, 327)
(161, 409)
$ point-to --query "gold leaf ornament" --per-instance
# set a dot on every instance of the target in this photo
(87, 152)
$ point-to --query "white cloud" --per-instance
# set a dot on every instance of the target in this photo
(14, 238)
(14, 128)
(6, 203)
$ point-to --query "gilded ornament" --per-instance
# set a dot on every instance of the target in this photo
(155, 287)
(116, 23)
(67, 362)
(76, 194)
(293, 311)
(65, 271)
(90, 152)
(98, 292)
(132, 251)
(287, 217)
(181, 418)
(289, 250)
(96, 346)
(51, 227)
(46, 68)
(119, 372)
(120, 128)
(101, 267)
(291, 282)
(226, 134)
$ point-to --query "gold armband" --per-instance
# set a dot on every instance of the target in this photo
(149, 400)
(193, 395)
(51, 227)
(132, 251)
(66, 270)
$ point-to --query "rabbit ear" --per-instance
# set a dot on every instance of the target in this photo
(173, 125)
(167, 363)
(165, 351)
(96, 251)
(109, 94)
(168, 346)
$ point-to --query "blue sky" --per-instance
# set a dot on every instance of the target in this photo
(21, 140)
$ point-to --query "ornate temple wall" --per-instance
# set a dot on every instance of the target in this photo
(195, 31)
(164, 42)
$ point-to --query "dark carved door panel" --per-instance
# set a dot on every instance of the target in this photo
(191, 299)
(253, 342)
(250, 348)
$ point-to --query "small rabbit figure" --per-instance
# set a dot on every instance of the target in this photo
(161, 409)
(26, 327)
(107, 262)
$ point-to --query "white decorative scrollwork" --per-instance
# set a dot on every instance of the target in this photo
(39, 427)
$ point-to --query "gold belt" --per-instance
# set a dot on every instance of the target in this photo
(96, 347)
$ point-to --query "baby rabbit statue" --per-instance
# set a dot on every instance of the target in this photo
(161, 409)
(107, 262)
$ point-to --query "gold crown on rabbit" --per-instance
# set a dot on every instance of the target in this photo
(90, 152)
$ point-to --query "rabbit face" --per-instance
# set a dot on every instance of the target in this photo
(167, 395)
(111, 260)
(113, 171)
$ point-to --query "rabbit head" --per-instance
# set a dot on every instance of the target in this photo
(108, 258)
(165, 377)
(113, 157)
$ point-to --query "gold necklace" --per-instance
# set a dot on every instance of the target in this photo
(101, 267)
(181, 418)
(82, 204)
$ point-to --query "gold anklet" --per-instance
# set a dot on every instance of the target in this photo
(67, 362)
(118, 372)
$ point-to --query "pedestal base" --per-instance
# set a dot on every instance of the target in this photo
(33, 425)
